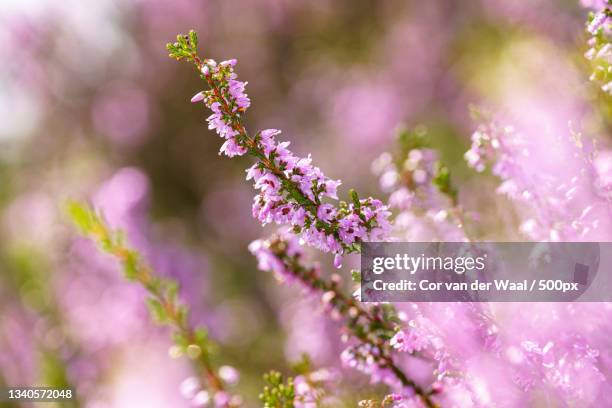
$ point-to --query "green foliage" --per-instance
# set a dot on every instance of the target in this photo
(157, 310)
(442, 181)
(278, 393)
(355, 198)
(303, 365)
(416, 139)
(411, 139)
(54, 374)
(185, 47)
(163, 303)
(81, 215)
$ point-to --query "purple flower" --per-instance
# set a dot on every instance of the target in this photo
(410, 340)
(197, 97)
(350, 229)
(291, 190)
(268, 261)
(267, 140)
(231, 148)
(236, 90)
(326, 212)
(229, 374)
(598, 21)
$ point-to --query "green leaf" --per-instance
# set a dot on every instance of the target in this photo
(411, 139)
(302, 366)
(355, 198)
(277, 394)
(81, 215)
(443, 182)
(180, 340)
(193, 40)
(157, 310)
(172, 290)
(201, 335)
(182, 41)
(130, 265)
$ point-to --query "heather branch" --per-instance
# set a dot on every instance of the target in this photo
(292, 190)
(235, 120)
(372, 327)
(163, 302)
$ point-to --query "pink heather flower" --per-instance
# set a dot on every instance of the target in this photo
(291, 190)
(402, 199)
(231, 63)
(305, 394)
(267, 140)
(235, 98)
(201, 399)
(409, 340)
(331, 187)
(229, 374)
(338, 261)
(363, 357)
(236, 90)
(411, 182)
(552, 196)
(326, 212)
(231, 148)
(269, 185)
(189, 387)
(272, 205)
(197, 97)
(221, 399)
(598, 21)
(298, 217)
(395, 397)
(267, 260)
(350, 229)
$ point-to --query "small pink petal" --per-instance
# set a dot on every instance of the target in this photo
(338, 261)
(197, 97)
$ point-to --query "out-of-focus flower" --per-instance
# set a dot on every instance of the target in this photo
(600, 51)
(420, 188)
(564, 203)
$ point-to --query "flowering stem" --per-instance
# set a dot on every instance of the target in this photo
(291, 189)
(370, 327)
(163, 300)
(250, 143)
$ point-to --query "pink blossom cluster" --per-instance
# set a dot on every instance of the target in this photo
(410, 182)
(227, 100)
(599, 20)
(323, 225)
(600, 45)
(366, 358)
(561, 198)
(291, 188)
(269, 261)
(311, 388)
(367, 328)
(192, 390)
(425, 213)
